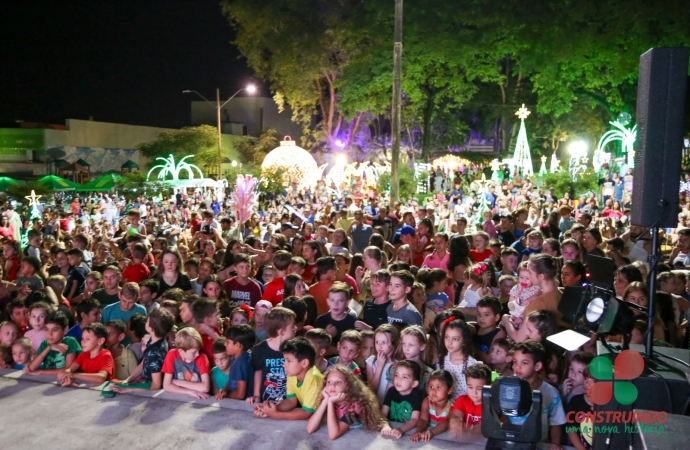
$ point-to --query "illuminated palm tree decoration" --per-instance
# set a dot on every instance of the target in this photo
(170, 168)
(625, 136)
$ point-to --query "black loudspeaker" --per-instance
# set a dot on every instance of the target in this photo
(660, 111)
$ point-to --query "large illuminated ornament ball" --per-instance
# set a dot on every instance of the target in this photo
(297, 164)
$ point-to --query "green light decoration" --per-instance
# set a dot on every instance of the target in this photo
(482, 187)
(542, 168)
(170, 168)
(35, 214)
(522, 157)
(495, 168)
(627, 139)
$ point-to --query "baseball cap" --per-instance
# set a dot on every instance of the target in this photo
(407, 229)
(287, 226)
(263, 304)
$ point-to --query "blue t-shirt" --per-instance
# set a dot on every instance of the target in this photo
(113, 312)
(437, 302)
(219, 378)
(75, 332)
(241, 370)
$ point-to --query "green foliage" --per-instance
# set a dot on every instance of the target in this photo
(18, 191)
(562, 182)
(253, 150)
(134, 184)
(406, 180)
(201, 141)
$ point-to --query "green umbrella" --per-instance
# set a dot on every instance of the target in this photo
(55, 183)
(104, 183)
(6, 182)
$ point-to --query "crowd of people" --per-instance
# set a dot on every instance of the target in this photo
(339, 312)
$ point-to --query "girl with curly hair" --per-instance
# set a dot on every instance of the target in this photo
(345, 403)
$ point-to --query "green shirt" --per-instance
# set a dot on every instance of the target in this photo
(54, 359)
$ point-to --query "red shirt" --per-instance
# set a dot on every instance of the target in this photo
(320, 293)
(480, 257)
(207, 345)
(274, 291)
(175, 366)
(239, 293)
(136, 273)
(472, 414)
(102, 361)
(310, 273)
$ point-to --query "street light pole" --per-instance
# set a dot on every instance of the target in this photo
(220, 152)
(250, 89)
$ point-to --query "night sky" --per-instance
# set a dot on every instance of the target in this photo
(118, 61)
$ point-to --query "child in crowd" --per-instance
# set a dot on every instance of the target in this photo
(501, 357)
(528, 361)
(58, 351)
(297, 266)
(466, 413)
(242, 289)
(186, 369)
(400, 310)
(575, 383)
(6, 361)
(37, 317)
(418, 297)
(220, 374)
(433, 419)
(337, 320)
(455, 354)
(172, 307)
(149, 372)
(436, 282)
(136, 330)
(326, 269)
(137, 271)
(366, 350)
(522, 294)
(241, 315)
(95, 363)
(535, 240)
(276, 287)
(578, 405)
(125, 359)
(299, 307)
(413, 342)
(403, 403)
(478, 287)
(321, 341)
(304, 382)
(22, 353)
(205, 314)
(386, 339)
(267, 358)
(148, 290)
(239, 339)
(480, 252)
(9, 331)
(88, 311)
(263, 307)
(19, 314)
(488, 317)
(348, 348)
(505, 285)
(345, 402)
(374, 311)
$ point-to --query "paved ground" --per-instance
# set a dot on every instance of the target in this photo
(36, 415)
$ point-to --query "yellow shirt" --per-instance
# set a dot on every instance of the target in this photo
(308, 391)
(344, 223)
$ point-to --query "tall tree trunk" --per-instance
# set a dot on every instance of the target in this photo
(354, 127)
(426, 126)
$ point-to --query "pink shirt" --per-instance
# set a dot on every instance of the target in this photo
(434, 262)
(36, 338)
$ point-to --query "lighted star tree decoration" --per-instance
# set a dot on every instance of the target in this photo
(482, 187)
(35, 214)
(555, 163)
(495, 168)
(542, 168)
(522, 156)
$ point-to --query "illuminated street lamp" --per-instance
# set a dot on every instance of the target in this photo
(251, 89)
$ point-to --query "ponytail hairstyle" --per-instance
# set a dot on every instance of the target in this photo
(417, 332)
(428, 277)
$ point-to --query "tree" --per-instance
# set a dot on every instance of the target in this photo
(19, 191)
(253, 150)
(201, 141)
(134, 184)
